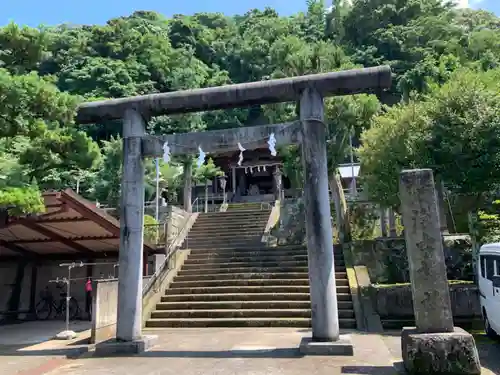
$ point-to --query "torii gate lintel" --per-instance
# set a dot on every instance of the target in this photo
(220, 141)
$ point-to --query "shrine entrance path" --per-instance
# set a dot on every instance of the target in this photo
(207, 351)
(265, 351)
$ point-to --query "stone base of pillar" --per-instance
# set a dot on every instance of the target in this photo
(113, 347)
(65, 335)
(439, 353)
(342, 347)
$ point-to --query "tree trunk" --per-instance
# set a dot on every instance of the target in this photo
(206, 196)
(392, 223)
(441, 205)
(383, 221)
(188, 185)
(341, 212)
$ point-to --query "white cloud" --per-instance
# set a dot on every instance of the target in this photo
(468, 3)
(462, 3)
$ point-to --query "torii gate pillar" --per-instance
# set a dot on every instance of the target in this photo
(325, 322)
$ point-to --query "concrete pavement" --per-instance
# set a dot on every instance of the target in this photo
(214, 351)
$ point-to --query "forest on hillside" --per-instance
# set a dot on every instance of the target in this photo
(443, 110)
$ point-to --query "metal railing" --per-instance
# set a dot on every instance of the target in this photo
(198, 204)
(172, 246)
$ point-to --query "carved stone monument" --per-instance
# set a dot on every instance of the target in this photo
(434, 346)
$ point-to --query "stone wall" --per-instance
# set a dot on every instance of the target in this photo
(395, 301)
(386, 258)
(290, 228)
(176, 220)
(104, 311)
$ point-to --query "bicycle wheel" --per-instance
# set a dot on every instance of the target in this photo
(74, 309)
(43, 310)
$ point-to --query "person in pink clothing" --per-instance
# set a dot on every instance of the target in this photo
(88, 299)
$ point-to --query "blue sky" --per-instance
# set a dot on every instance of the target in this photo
(51, 12)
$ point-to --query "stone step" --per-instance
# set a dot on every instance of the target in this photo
(223, 258)
(231, 215)
(238, 305)
(227, 274)
(227, 236)
(230, 224)
(262, 247)
(225, 271)
(241, 322)
(235, 222)
(289, 254)
(253, 207)
(246, 204)
(210, 267)
(247, 289)
(225, 247)
(248, 279)
(243, 276)
(236, 282)
(246, 282)
(200, 244)
(242, 313)
(257, 231)
(195, 254)
(279, 260)
(253, 297)
(215, 242)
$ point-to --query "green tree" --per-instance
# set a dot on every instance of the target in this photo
(205, 173)
(454, 130)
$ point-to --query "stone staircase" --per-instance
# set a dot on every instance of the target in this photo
(254, 206)
(230, 279)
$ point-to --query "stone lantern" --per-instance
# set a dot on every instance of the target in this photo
(223, 181)
(277, 183)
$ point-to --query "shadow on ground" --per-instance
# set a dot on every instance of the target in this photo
(258, 353)
(23, 351)
(367, 370)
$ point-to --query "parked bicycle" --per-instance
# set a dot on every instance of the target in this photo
(49, 305)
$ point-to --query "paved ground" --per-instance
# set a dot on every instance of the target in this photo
(237, 351)
(219, 352)
(25, 348)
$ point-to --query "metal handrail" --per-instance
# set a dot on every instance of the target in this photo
(193, 203)
(170, 251)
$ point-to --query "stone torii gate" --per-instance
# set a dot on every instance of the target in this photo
(310, 131)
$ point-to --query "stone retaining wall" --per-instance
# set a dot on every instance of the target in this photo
(387, 263)
(396, 301)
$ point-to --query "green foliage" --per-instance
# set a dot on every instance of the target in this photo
(151, 229)
(207, 171)
(435, 51)
(488, 225)
(454, 130)
(29, 105)
(21, 201)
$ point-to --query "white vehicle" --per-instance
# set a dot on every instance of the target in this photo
(489, 287)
